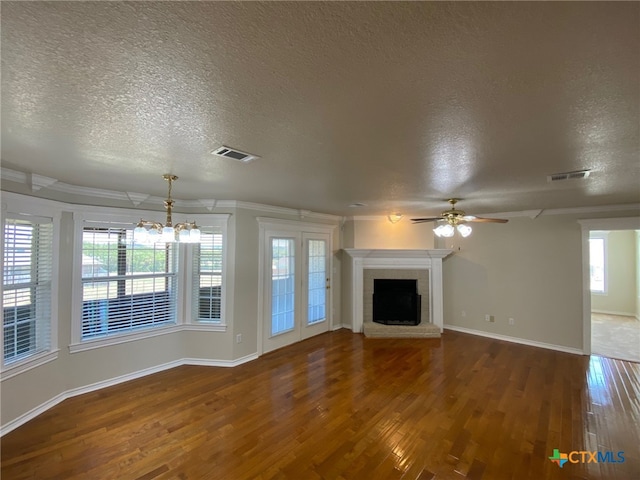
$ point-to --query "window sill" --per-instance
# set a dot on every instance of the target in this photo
(122, 338)
(205, 327)
(28, 363)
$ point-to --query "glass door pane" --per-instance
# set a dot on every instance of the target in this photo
(316, 282)
(282, 285)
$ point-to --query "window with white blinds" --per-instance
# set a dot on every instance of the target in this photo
(126, 286)
(207, 277)
(26, 287)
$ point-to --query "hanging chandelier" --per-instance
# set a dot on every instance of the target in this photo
(151, 232)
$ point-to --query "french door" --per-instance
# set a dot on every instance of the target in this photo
(295, 286)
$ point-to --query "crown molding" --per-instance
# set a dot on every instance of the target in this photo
(605, 224)
(209, 204)
(36, 182)
(39, 181)
(594, 209)
(287, 211)
(136, 198)
(13, 175)
(532, 214)
(89, 191)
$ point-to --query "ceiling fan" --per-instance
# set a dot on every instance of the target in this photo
(456, 219)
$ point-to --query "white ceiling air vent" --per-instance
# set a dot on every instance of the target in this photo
(576, 175)
(233, 154)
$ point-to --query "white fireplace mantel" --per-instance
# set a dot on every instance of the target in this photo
(362, 259)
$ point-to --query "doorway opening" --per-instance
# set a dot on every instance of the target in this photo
(611, 279)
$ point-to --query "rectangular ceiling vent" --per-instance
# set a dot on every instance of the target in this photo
(233, 154)
(576, 175)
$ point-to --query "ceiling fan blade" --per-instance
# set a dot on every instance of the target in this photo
(471, 218)
(423, 220)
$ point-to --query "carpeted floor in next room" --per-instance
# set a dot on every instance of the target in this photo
(615, 336)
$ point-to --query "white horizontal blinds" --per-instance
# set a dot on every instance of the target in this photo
(207, 276)
(126, 286)
(26, 287)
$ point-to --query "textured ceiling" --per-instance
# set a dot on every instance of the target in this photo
(394, 105)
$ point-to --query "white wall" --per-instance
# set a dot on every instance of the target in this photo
(379, 232)
(528, 270)
(620, 297)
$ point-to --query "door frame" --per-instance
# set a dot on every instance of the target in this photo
(267, 225)
(623, 223)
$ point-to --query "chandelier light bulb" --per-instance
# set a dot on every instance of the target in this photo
(194, 235)
(140, 234)
(184, 236)
(465, 230)
(153, 235)
(168, 235)
(445, 231)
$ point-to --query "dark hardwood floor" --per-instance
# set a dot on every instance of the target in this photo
(340, 406)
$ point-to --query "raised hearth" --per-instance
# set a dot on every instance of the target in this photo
(423, 330)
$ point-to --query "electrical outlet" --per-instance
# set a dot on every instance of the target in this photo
(489, 318)
(464, 314)
(239, 338)
(511, 321)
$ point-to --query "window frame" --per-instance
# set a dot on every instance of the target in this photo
(103, 216)
(16, 206)
(216, 223)
(112, 291)
(600, 235)
(106, 217)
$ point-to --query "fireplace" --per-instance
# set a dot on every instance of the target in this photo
(396, 301)
(365, 264)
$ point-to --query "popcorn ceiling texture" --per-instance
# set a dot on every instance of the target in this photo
(396, 105)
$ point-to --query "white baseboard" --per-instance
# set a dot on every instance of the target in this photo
(34, 412)
(613, 312)
(350, 328)
(74, 392)
(205, 362)
(531, 343)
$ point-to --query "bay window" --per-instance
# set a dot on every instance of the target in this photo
(126, 289)
(207, 277)
(26, 287)
(126, 286)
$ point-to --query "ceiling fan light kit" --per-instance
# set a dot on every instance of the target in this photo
(147, 231)
(455, 220)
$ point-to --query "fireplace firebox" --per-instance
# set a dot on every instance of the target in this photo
(396, 302)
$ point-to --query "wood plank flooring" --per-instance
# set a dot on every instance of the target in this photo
(341, 406)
